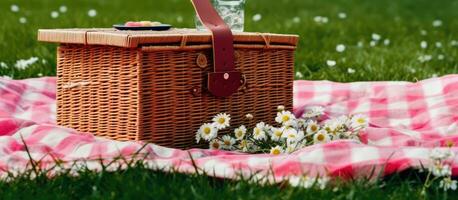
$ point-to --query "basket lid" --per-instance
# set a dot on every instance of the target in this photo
(131, 39)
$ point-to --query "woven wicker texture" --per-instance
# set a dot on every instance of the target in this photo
(156, 93)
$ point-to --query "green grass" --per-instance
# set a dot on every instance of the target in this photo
(400, 21)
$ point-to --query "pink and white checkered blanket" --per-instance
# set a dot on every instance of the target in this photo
(407, 120)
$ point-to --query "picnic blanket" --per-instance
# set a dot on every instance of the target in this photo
(407, 120)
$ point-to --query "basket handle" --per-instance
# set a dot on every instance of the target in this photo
(225, 79)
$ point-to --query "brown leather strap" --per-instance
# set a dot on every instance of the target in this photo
(224, 80)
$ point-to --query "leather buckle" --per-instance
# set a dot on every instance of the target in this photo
(224, 84)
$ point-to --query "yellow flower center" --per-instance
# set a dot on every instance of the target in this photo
(238, 133)
(207, 130)
(320, 137)
(292, 136)
(243, 143)
(313, 128)
(221, 120)
(278, 133)
(215, 145)
(276, 151)
(257, 131)
(227, 142)
(285, 118)
(361, 120)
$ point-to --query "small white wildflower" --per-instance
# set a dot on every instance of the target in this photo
(438, 44)
(322, 182)
(249, 116)
(376, 36)
(259, 132)
(54, 14)
(285, 118)
(257, 17)
(448, 183)
(440, 57)
(179, 19)
(386, 42)
(276, 150)
(342, 15)
(227, 142)
(312, 128)
(440, 170)
(23, 64)
(221, 121)
(373, 43)
(6, 77)
(296, 19)
(207, 132)
(360, 44)
(63, 9)
(3, 65)
(277, 133)
(441, 154)
(92, 13)
(423, 32)
(14, 8)
(321, 136)
(359, 121)
(44, 61)
(340, 48)
(424, 58)
(39, 74)
(453, 43)
(22, 20)
(245, 145)
(423, 44)
(313, 111)
(437, 23)
(320, 19)
(331, 63)
(302, 181)
(291, 135)
(280, 108)
(215, 144)
(240, 132)
(299, 75)
(434, 75)
(351, 70)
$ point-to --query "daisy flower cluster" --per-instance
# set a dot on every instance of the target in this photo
(288, 135)
(441, 169)
(307, 182)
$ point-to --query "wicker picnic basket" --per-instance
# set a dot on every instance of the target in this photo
(160, 86)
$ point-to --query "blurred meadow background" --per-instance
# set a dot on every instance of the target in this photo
(340, 40)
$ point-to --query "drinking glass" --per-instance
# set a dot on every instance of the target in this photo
(231, 11)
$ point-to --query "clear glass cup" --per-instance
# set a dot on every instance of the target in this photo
(232, 12)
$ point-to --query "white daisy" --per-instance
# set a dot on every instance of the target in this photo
(22, 20)
(439, 44)
(342, 15)
(296, 19)
(207, 132)
(245, 145)
(92, 13)
(215, 144)
(54, 14)
(240, 132)
(441, 154)
(425, 58)
(312, 128)
(440, 170)
(302, 181)
(227, 142)
(276, 150)
(63, 9)
(331, 63)
(313, 111)
(386, 42)
(440, 57)
(276, 133)
(321, 137)
(3, 65)
(360, 44)
(257, 17)
(340, 48)
(291, 135)
(376, 37)
(373, 43)
(221, 121)
(359, 121)
(351, 70)
(423, 44)
(14, 8)
(285, 117)
(280, 108)
(259, 133)
(437, 23)
(299, 75)
(448, 183)
(322, 182)
(453, 43)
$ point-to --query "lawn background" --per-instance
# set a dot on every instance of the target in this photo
(400, 21)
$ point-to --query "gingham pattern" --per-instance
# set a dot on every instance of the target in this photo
(406, 121)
